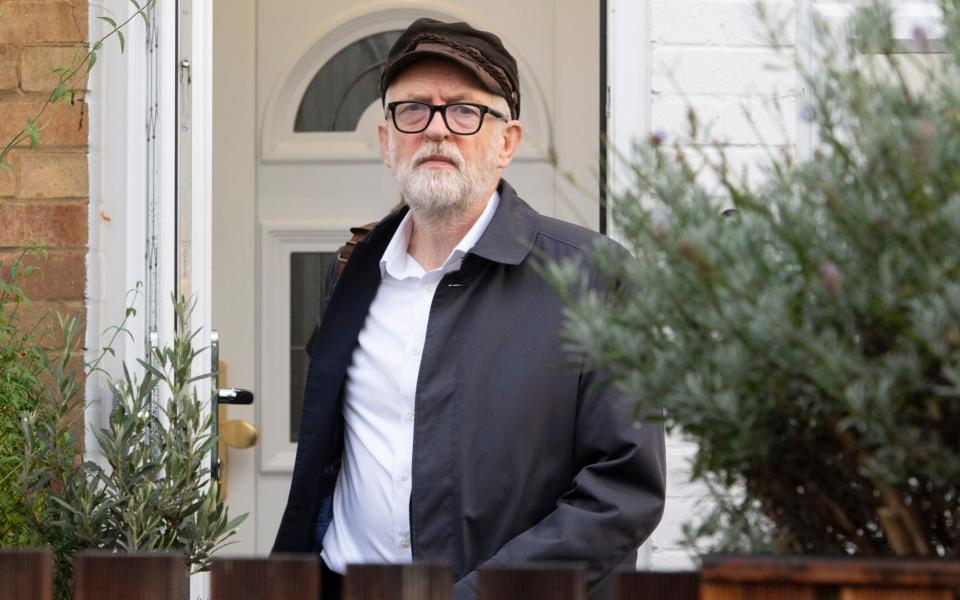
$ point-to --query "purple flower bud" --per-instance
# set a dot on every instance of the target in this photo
(830, 276)
(658, 137)
(806, 113)
(660, 221)
(921, 37)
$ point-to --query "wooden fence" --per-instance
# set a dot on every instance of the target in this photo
(27, 575)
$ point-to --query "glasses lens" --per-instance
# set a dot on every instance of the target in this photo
(411, 116)
(463, 118)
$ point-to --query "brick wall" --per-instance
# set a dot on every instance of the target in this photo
(44, 199)
(711, 55)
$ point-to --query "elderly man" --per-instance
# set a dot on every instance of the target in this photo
(442, 420)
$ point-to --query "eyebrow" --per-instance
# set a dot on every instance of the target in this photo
(455, 98)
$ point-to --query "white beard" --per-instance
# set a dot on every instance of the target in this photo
(438, 194)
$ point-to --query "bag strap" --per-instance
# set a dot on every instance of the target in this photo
(343, 254)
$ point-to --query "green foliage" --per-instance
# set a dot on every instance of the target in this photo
(155, 492)
(83, 60)
(20, 365)
(808, 342)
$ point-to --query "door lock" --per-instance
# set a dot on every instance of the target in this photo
(235, 433)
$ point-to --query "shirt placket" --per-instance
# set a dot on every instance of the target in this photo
(419, 312)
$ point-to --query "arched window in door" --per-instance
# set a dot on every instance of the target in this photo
(345, 86)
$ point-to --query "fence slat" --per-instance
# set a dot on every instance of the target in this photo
(841, 571)
(809, 578)
(754, 591)
(420, 581)
(26, 574)
(895, 593)
(276, 578)
(655, 585)
(533, 582)
(109, 576)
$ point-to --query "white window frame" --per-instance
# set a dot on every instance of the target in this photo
(280, 143)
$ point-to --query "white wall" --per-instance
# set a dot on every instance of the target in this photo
(712, 55)
(668, 55)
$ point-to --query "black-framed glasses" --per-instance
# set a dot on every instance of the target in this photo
(461, 118)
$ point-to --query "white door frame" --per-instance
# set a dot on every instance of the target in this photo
(132, 102)
(628, 105)
(133, 166)
(199, 259)
(120, 116)
(200, 127)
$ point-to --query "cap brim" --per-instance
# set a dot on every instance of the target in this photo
(486, 81)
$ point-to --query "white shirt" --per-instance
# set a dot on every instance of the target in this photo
(371, 501)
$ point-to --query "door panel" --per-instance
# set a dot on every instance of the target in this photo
(297, 193)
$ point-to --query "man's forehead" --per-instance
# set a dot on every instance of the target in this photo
(437, 76)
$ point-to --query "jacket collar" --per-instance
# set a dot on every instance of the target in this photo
(512, 230)
(507, 239)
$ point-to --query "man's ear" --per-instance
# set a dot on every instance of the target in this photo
(512, 136)
(384, 144)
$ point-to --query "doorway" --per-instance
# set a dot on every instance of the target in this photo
(296, 164)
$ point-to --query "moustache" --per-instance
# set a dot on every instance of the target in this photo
(446, 152)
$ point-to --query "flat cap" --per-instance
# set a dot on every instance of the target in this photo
(481, 52)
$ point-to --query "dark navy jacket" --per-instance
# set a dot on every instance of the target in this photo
(517, 455)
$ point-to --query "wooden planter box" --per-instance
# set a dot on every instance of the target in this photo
(27, 575)
(807, 578)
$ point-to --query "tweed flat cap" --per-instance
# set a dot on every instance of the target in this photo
(481, 52)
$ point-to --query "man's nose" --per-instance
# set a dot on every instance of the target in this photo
(436, 128)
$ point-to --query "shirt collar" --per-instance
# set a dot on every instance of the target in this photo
(401, 265)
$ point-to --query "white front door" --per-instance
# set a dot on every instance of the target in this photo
(296, 164)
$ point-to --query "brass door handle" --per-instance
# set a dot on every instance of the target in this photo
(235, 433)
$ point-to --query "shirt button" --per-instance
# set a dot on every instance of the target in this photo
(404, 543)
(427, 289)
(414, 350)
(404, 477)
(410, 416)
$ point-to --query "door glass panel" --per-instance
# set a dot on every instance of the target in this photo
(345, 86)
(308, 294)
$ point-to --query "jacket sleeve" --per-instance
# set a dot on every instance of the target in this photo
(616, 499)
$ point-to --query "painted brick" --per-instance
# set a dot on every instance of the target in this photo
(53, 225)
(62, 276)
(734, 23)
(682, 505)
(727, 120)
(53, 175)
(708, 70)
(8, 68)
(37, 64)
(678, 480)
(712, 54)
(677, 512)
(64, 125)
(32, 22)
(669, 559)
(679, 485)
(748, 162)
